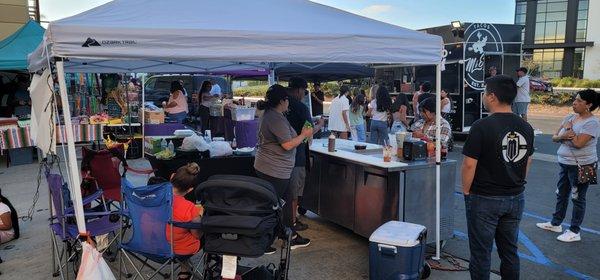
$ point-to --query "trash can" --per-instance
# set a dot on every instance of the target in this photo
(397, 251)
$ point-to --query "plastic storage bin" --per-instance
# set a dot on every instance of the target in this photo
(20, 156)
(243, 114)
(397, 251)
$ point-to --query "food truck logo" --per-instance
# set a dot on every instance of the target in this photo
(514, 147)
(481, 38)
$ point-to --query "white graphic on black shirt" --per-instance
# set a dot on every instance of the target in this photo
(514, 147)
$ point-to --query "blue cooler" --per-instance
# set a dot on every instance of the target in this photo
(397, 251)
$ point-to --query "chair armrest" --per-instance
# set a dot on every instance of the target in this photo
(86, 200)
(139, 171)
(187, 225)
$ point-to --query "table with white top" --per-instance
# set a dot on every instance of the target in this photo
(358, 190)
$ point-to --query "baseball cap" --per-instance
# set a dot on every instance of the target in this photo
(297, 82)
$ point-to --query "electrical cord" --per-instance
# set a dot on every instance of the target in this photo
(452, 259)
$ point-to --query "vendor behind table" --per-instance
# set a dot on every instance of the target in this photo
(177, 106)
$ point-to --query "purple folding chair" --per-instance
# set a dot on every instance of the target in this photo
(99, 221)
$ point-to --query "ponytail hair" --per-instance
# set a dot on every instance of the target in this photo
(275, 94)
(185, 177)
(590, 96)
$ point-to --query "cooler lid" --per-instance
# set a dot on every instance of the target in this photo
(397, 233)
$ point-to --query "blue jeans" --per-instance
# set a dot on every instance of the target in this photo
(492, 218)
(397, 127)
(358, 132)
(179, 117)
(379, 132)
(568, 186)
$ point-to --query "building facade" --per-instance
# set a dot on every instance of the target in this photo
(559, 37)
(13, 14)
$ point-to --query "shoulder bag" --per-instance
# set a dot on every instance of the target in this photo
(587, 173)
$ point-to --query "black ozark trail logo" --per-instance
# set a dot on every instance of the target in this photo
(514, 147)
(482, 38)
(90, 42)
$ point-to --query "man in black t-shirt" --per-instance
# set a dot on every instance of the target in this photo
(317, 99)
(497, 155)
(298, 114)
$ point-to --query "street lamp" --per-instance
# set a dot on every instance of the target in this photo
(457, 29)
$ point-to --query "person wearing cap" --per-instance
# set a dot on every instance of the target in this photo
(298, 115)
(425, 127)
(521, 103)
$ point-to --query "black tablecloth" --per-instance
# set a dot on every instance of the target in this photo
(230, 165)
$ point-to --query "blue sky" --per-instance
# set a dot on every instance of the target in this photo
(412, 14)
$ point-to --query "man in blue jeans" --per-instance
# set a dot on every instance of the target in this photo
(496, 158)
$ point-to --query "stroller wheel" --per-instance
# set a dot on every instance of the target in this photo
(426, 271)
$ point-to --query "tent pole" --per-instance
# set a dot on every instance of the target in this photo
(271, 77)
(72, 156)
(438, 155)
(142, 116)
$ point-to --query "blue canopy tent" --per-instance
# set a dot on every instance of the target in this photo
(15, 48)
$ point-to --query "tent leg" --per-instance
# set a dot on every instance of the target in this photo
(72, 160)
(271, 77)
(438, 156)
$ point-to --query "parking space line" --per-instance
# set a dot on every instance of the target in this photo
(538, 257)
(545, 219)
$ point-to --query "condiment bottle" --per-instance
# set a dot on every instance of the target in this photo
(331, 143)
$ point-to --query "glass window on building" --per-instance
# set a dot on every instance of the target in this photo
(520, 12)
(578, 62)
(582, 17)
(548, 62)
(551, 18)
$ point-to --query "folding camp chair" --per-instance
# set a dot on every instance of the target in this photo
(148, 210)
(102, 167)
(63, 227)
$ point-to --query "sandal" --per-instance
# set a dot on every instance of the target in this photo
(184, 275)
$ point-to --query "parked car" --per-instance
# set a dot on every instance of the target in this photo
(157, 87)
(538, 84)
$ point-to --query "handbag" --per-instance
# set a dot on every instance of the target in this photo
(587, 173)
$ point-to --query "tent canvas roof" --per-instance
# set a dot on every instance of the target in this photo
(161, 36)
(15, 48)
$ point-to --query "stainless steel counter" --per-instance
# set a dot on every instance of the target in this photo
(359, 191)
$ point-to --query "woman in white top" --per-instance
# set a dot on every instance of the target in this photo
(8, 229)
(578, 138)
(378, 110)
(446, 102)
(339, 120)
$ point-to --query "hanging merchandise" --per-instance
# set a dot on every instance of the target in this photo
(116, 102)
(109, 82)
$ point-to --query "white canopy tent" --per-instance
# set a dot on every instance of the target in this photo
(195, 36)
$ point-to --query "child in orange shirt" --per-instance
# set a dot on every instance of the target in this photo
(186, 242)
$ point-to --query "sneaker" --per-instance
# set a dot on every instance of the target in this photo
(549, 226)
(271, 250)
(300, 226)
(299, 242)
(569, 236)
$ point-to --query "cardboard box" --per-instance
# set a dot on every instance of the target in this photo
(153, 117)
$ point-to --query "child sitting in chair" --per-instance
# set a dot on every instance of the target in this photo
(186, 242)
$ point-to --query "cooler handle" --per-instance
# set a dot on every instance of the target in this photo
(387, 248)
